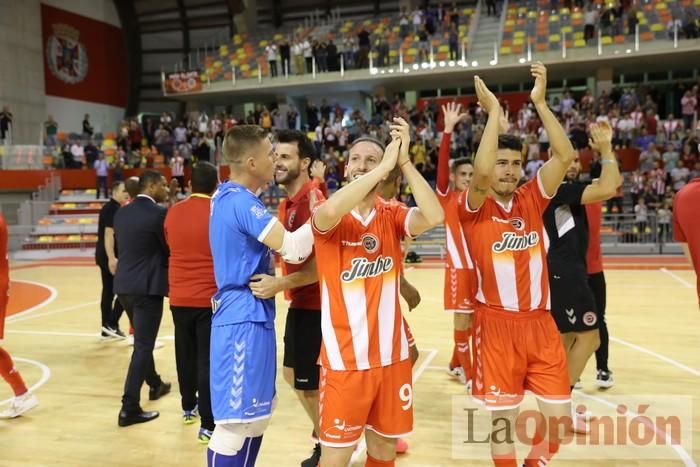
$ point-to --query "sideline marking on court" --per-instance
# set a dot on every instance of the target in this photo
(362, 445)
(663, 358)
(677, 277)
(52, 297)
(680, 450)
(45, 375)
(12, 319)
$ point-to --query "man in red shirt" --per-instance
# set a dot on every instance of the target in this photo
(192, 285)
(295, 156)
(686, 224)
(24, 400)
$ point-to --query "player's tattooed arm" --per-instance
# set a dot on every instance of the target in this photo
(485, 160)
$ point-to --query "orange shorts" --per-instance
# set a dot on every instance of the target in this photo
(378, 399)
(459, 290)
(517, 352)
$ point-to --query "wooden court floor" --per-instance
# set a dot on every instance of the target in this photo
(655, 356)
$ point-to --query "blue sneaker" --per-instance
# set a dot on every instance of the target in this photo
(204, 436)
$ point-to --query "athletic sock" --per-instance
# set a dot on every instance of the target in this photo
(504, 460)
(372, 462)
(454, 363)
(541, 453)
(243, 458)
(463, 351)
(11, 374)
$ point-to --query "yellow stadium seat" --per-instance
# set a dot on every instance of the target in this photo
(245, 67)
(218, 64)
(579, 43)
(278, 37)
(643, 20)
(393, 53)
(606, 40)
(522, 10)
(656, 27)
(368, 22)
(567, 29)
(412, 51)
(263, 43)
(554, 38)
(577, 15)
(468, 11)
(532, 14)
(510, 22)
(505, 50)
(444, 48)
(565, 11)
(554, 18)
(518, 41)
(661, 6)
(519, 34)
(578, 35)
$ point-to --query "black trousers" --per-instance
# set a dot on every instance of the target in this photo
(146, 312)
(192, 335)
(597, 284)
(102, 186)
(111, 309)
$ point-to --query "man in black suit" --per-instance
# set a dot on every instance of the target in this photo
(141, 282)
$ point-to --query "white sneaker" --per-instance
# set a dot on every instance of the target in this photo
(604, 380)
(578, 384)
(20, 405)
(457, 372)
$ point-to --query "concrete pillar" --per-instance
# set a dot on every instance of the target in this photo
(604, 80)
(22, 75)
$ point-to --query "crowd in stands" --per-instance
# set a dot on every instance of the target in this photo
(353, 48)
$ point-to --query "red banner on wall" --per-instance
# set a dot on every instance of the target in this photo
(183, 81)
(513, 101)
(84, 59)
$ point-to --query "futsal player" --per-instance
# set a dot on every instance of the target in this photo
(459, 269)
(572, 300)
(366, 381)
(243, 344)
(24, 400)
(517, 344)
(294, 156)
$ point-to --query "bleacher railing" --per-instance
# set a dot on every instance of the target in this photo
(21, 157)
(32, 210)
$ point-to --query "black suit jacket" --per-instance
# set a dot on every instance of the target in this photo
(143, 253)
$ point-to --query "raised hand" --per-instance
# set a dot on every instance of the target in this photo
(318, 169)
(401, 130)
(451, 112)
(391, 153)
(487, 100)
(601, 137)
(503, 122)
(539, 90)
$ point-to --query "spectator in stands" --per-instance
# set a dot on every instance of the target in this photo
(50, 130)
(285, 52)
(417, 20)
(87, 128)
(687, 158)
(690, 27)
(364, 43)
(454, 15)
(382, 45)
(5, 125)
(101, 170)
(177, 169)
(203, 150)
(321, 54)
(404, 23)
(673, 27)
(423, 44)
(91, 152)
(670, 126)
(332, 56)
(590, 19)
(670, 158)
(648, 158)
(78, 155)
(491, 6)
(679, 177)
(308, 54)
(663, 218)
(271, 54)
(632, 21)
(689, 103)
(298, 53)
(644, 139)
(454, 42)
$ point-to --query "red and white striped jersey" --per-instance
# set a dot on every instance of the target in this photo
(177, 166)
(455, 242)
(358, 264)
(509, 247)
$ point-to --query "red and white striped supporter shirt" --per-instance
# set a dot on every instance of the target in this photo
(177, 166)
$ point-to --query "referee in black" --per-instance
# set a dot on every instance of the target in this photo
(141, 282)
(573, 303)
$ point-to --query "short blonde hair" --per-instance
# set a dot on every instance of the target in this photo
(239, 139)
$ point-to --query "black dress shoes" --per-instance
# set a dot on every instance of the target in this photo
(132, 418)
(159, 391)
